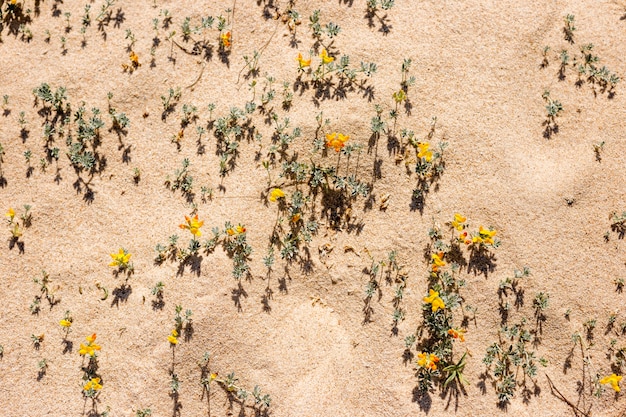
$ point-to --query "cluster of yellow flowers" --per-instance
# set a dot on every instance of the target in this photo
(304, 63)
(193, 225)
(436, 261)
(90, 348)
(483, 237)
(434, 300)
(336, 141)
(120, 259)
(424, 152)
(457, 334)
(237, 230)
(427, 361)
(92, 385)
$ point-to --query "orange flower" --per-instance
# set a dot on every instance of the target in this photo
(457, 334)
(437, 261)
(336, 141)
(239, 229)
(193, 225)
(427, 361)
(90, 348)
(134, 59)
(225, 40)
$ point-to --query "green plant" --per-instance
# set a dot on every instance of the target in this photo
(553, 109)
(171, 100)
(618, 224)
(455, 371)
(510, 359)
(569, 28)
(183, 322)
(182, 180)
(55, 99)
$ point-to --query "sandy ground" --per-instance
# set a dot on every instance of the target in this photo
(300, 332)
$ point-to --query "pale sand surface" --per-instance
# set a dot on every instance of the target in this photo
(478, 70)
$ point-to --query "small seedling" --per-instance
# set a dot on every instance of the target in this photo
(569, 28)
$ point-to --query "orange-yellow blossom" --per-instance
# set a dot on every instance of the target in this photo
(424, 152)
(435, 301)
(459, 222)
(239, 229)
(193, 225)
(325, 58)
(613, 380)
(275, 194)
(225, 40)
(303, 63)
(93, 384)
(173, 337)
(336, 141)
(484, 236)
(134, 59)
(90, 348)
(457, 334)
(120, 258)
(437, 261)
(427, 361)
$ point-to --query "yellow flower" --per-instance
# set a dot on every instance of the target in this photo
(276, 193)
(134, 59)
(457, 334)
(613, 380)
(427, 361)
(484, 236)
(93, 384)
(303, 63)
(65, 323)
(458, 222)
(424, 152)
(225, 40)
(437, 261)
(10, 214)
(296, 217)
(193, 225)
(120, 258)
(90, 348)
(173, 338)
(16, 232)
(399, 96)
(336, 141)
(325, 58)
(434, 300)
(240, 229)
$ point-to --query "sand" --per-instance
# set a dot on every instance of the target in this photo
(301, 332)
